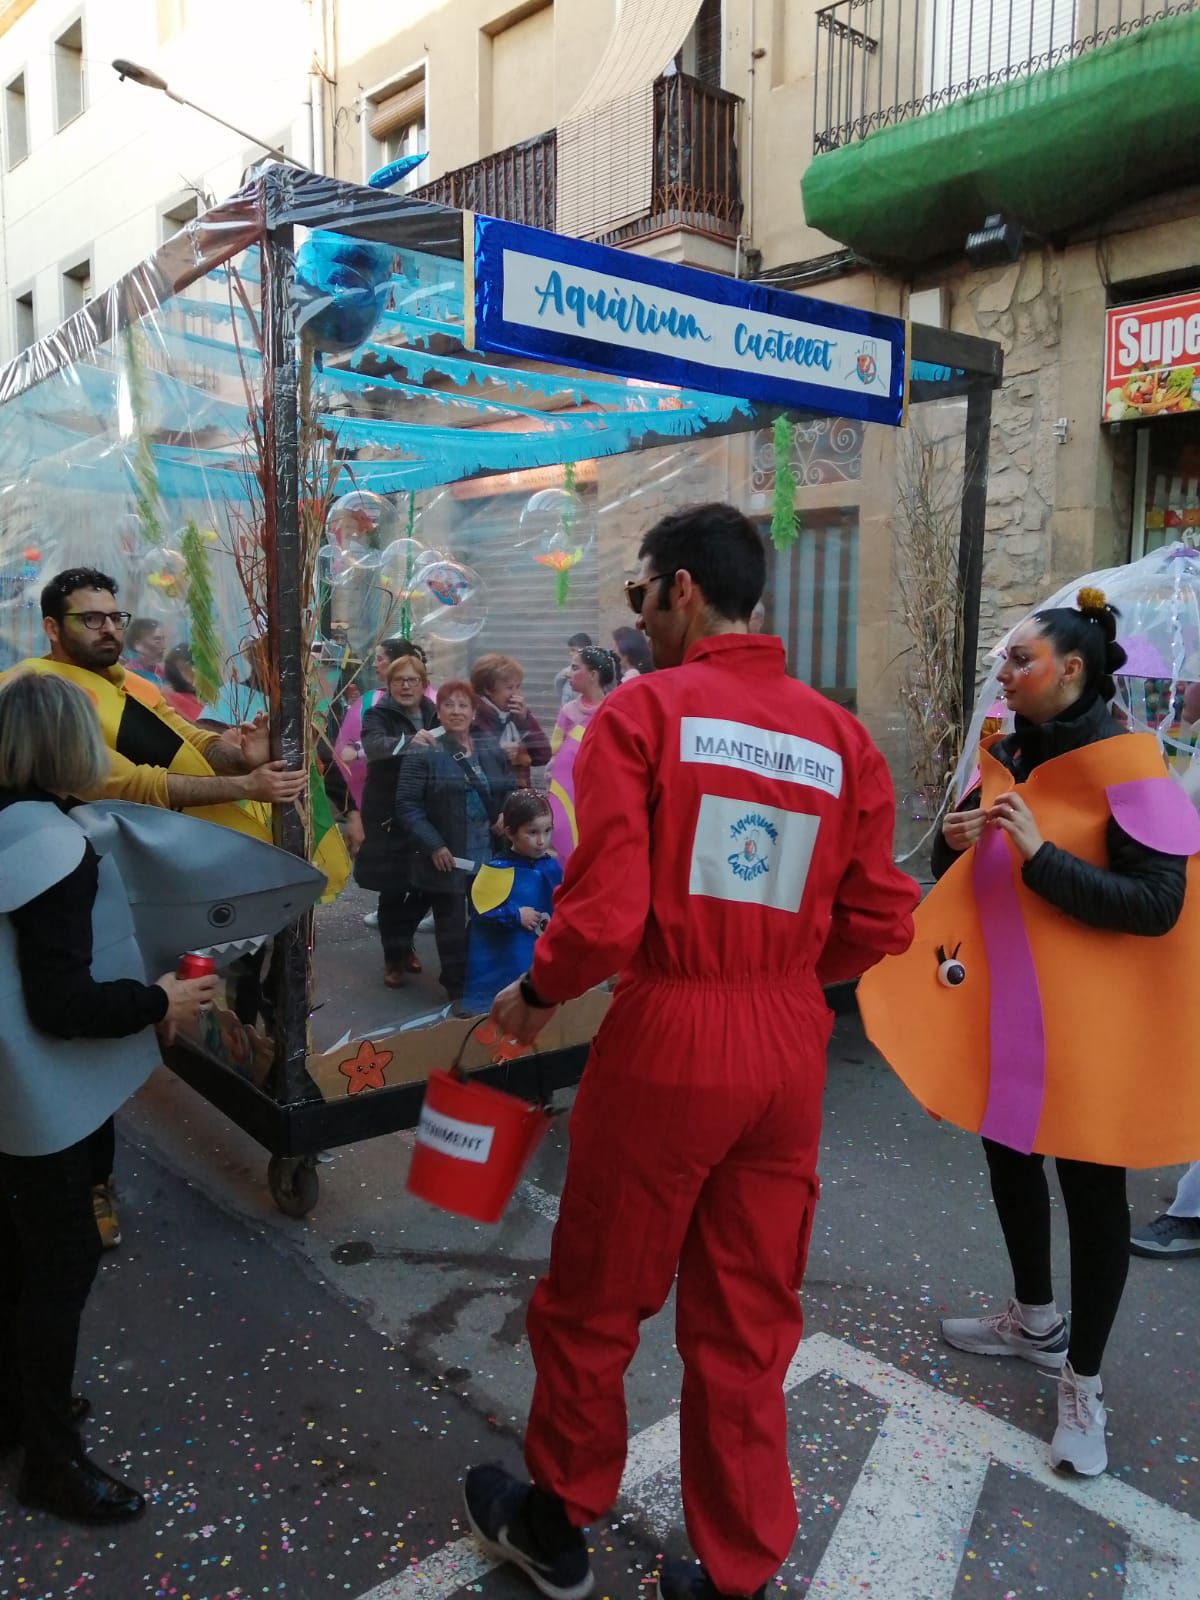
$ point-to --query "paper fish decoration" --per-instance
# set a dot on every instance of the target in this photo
(1050, 1035)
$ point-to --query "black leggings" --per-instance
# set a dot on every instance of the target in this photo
(1098, 1226)
(49, 1251)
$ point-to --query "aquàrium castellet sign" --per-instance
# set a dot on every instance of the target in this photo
(563, 300)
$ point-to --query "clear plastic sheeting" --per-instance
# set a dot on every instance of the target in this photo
(456, 505)
(1158, 690)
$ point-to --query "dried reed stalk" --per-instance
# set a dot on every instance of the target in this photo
(931, 605)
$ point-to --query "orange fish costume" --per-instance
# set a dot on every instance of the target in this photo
(1054, 1036)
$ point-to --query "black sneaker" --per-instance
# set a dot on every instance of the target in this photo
(517, 1522)
(1167, 1236)
(684, 1580)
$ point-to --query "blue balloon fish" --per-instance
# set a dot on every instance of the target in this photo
(385, 177)
(340, 289)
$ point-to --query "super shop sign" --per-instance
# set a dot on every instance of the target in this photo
(1152, 359)
(584, 305)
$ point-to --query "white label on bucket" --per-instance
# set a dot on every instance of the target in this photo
(466, 1141)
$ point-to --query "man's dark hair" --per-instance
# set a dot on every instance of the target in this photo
(721, 550)
(579, 641)
(56, 592)
(140, 628)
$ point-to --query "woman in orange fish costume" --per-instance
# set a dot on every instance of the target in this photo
(1046, 970)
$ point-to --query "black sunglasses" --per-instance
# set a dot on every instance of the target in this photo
(635, 589)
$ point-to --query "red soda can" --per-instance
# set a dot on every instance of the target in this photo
(194, 966)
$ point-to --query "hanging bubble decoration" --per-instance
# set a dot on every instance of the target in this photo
(340, 290)
(161, 581)
(451, 606)
(400, 568)
(359, 517)
(549, 527)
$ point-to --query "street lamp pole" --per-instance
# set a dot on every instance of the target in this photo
(152, 80)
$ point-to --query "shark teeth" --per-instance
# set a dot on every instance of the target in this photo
(234, 947)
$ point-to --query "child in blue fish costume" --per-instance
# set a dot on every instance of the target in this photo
(510, 900)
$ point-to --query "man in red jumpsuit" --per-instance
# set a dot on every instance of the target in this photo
(735, 853)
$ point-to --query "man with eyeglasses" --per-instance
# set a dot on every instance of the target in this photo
(735, 854)
(156, 757)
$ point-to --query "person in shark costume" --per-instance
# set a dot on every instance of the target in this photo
(93, 898)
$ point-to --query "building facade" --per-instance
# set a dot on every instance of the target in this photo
(844, 150)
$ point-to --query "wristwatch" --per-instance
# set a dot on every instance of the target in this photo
(531, 997)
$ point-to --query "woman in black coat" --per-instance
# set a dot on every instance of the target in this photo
(390, 730)
(448, 799)
(1057, 679)
(56, 894)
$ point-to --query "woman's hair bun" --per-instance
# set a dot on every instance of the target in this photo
(1092, 602)
(1114, 656)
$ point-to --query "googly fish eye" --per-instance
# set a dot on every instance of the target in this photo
(950, 972)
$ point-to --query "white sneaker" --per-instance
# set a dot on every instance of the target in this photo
(1004, 1334)
(1079, 1438)
(372, 919)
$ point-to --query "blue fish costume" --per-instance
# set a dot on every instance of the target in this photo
(499, 949)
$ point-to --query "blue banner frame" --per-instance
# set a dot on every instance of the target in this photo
(754, 335)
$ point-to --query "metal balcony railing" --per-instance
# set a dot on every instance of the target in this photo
(881, 62)
(517, 184)
(695, 178)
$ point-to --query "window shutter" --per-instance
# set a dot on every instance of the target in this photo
(398, 110)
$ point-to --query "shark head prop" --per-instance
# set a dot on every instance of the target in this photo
(193, 885)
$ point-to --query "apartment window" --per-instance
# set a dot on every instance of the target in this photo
(969, 44)
(176, 217)
(76, 287)
(812, 602)
(700, 56)
(68, 74)
(396, 127)
(24, 328)
(16, 121)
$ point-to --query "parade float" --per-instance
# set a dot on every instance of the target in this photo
(322, 415)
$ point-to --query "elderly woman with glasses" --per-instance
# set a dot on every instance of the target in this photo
(390, 730)
(594, 672)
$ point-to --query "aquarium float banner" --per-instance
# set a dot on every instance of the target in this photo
(563, 300)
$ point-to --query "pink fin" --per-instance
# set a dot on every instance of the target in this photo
(1157, 813)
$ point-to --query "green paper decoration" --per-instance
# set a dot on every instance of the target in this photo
(145, 476)
(406, 608)
(784, 525)
(207, 655)
(562, 577)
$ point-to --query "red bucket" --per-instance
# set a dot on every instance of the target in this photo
(473, 1143)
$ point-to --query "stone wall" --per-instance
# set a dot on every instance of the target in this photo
(1020, 307)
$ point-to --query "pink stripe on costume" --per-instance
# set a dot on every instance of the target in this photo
(1016, 1031)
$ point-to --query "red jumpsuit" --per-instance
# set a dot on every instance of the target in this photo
(715, 801)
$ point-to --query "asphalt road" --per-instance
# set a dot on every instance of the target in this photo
(300, 1399)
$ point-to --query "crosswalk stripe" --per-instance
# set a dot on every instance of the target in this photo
(907, 1520)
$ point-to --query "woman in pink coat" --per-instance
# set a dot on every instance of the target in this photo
(593, 673)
